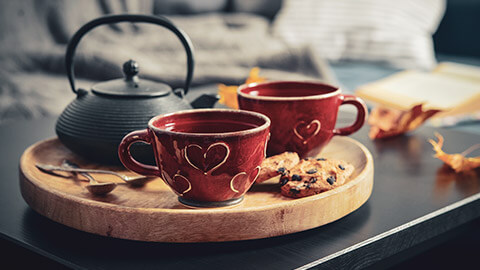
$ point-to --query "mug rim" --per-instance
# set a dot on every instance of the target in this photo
(337, 91)
(260, 128)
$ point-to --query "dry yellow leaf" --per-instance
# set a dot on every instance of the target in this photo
(228, 93)
(386, 122)
(458, 162)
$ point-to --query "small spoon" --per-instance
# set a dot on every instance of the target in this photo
(93, 186)
(130, 180)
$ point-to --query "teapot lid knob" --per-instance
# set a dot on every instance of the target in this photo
(131, 85)
(130, 69)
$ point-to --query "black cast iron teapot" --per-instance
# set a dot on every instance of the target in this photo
(96, 121)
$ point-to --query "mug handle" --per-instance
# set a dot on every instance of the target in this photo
(361, 115)
(126, 157)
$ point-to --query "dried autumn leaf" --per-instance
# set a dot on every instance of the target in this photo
(228, 93)
(254, 76)
(458, 162)
(386, 122)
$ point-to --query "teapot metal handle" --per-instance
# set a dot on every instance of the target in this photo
(159, 20)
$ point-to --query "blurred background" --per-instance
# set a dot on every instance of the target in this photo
(346, 43)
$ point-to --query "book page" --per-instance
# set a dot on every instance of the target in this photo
(409, 88)
(461, 71)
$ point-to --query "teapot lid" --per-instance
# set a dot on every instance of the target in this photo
(131, 86)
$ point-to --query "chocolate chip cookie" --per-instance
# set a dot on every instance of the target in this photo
(315, 175)
(277, 165)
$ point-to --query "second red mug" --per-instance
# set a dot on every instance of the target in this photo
(302, 114)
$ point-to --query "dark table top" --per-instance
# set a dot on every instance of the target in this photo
(414, 199)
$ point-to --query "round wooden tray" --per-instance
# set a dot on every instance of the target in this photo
(153, 212)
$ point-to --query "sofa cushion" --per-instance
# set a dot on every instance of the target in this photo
(394, 32)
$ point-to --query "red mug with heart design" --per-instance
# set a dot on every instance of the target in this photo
(208, 157)
(303, 114)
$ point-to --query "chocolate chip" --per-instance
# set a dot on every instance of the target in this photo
(281, 170)
(312, 171)
(283, 180)
(341, 167)
(308, 186)
(306, 159)
(331, 179)
(313, 180)
(321, 159)
(295, 190)
(296, 177)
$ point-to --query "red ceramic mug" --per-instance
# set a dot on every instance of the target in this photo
(209, 157)
(303, 114)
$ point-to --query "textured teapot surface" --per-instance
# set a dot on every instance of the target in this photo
(94, 124)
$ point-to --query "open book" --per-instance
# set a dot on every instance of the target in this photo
(451, 87)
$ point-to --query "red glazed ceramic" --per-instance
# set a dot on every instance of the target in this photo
(209, 157)
(303, 114)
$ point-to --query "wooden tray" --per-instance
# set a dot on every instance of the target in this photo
(153, 213)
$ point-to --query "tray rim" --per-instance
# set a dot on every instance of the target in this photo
(196, 225)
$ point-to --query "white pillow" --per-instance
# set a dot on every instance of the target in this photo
(398, 32)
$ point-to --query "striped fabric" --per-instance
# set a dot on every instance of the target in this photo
(398, 32)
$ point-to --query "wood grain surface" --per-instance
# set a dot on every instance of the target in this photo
(153, 213)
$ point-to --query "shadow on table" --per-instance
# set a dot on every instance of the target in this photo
(408, 147)
(465, 182)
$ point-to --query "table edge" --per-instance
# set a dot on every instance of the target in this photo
(428, 217)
